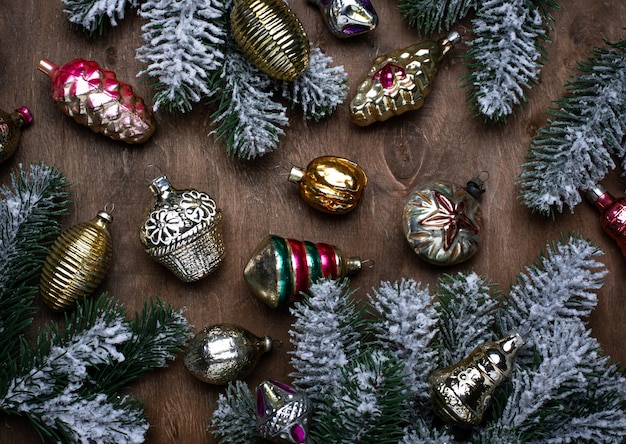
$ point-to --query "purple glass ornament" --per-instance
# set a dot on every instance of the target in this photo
(283, 415)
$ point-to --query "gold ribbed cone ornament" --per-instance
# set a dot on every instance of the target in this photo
(271, 36)
(77, 263)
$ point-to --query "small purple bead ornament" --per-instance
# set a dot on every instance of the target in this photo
(348, 18)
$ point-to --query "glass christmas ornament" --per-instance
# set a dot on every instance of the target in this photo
(399, 81)
(283, 414)
(223, 353)
(442, 221)
(10, 130)
(461, 393)
(77, 263)
(280, 268)
(95, 98)
(183, 231)
(612, 214)
(348, 18)
(330, 184)
(271, 36)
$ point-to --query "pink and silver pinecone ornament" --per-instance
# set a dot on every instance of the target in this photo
(95, 98)
(283, 414)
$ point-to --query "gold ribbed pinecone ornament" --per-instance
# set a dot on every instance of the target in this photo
(95, 98)
(77, 263)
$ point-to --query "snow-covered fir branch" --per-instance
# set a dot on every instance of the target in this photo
(234, 419)
(182, 40)
(325, 337)
(247, 117)
(30, 209)
(67, 385)
(505, 55)
(93, 15)
(586, 128)
(406, 327)
(320, 89)
(430, 16)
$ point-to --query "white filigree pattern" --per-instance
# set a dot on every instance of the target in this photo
(163, 226)
(198, 206)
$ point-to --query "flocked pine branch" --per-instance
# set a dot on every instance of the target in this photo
(95, 15)
(430, 16)
(30, 209)
(67, 383)
(562, 388)
(505, 57)
(586, 128)
(181, 48)
(234, 419)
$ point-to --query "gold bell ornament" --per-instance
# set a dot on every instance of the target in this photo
(399, 81)
(223, 353)
(271, 36)
(461, 393)
(183, 231)
(77, 263)
(330, 184)
(443, 221)
(283, 414)
(95, 98)
(10, 130)
(280, 268)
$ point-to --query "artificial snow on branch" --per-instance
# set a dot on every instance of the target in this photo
(562, 389)
(505, 57)
(95, 15)
(586, 128)
(67, 382)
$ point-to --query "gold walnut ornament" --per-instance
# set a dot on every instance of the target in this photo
(183, 231)
(77, 263)
(330, 184)
(399, 81)
(271, 37)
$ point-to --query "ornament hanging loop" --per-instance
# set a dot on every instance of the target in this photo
(109, 207)
(476, 185)
(152, 168)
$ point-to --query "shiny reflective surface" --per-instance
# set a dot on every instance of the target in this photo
(77, 263)
(399, 81)
(330, 184)
(348, 18)
(271, 36)
(10, 130)
(461, 393)
(223, 353)
(283, 414)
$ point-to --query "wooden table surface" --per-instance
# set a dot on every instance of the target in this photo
(443, 140)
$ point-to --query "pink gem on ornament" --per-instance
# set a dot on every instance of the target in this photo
(298, 434)
(388, 73)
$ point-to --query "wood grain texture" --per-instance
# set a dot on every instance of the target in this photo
(441, 141)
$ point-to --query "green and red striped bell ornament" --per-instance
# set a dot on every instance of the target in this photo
(280, 269)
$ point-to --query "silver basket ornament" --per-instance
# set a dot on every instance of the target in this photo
(183, 231)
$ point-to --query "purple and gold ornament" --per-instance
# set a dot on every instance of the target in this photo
(280, 269)
(399, 81)
(443, 221)
(11, 129)
(348, 18)
(283, 415)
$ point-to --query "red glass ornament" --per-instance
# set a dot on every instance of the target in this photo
(613, 214)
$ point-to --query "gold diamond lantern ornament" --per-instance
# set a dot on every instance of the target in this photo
(77, 263)
(271, 36)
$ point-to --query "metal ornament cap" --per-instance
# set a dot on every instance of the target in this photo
(271, 37)
(77, 263)
(280, 269)
(330, 184)
(461, 393)
(223, 353)
(183, 231)
(442, 222)
(399, 81)
(348, 18)
(283, 414)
